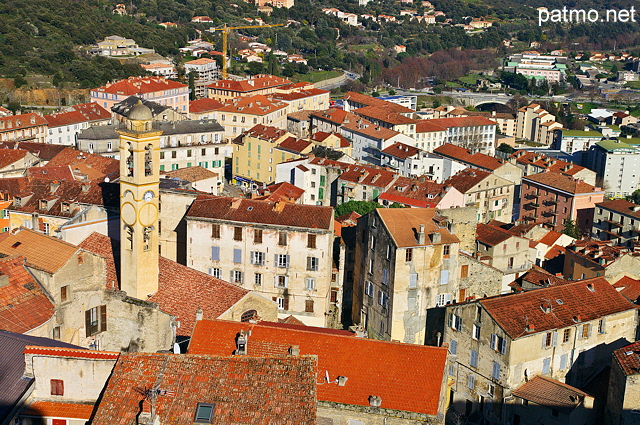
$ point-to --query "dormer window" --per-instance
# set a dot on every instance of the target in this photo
(43, 204)
(65, 207)
(18, 201)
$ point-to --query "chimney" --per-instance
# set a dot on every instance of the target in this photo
(278, 206)
(242, 340)
(375, 401)
(199, 314)
(436, 237)
(86, 187)
(493, 113)
(421, 235)
(294, 350)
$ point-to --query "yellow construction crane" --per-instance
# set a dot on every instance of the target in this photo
(225, 31)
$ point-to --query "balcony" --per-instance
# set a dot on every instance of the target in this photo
(531, 195)
(613, 223)
(550, 202)
(532, 205)
(549, 213)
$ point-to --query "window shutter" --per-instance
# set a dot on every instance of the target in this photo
(275, 260)
(286, 303)
(563, 361)
(237, 255)
(555, 338)
(308, 306)
(286, 281)
(544, 341)
(275, 281)
(450, 320)
(288, 261)
(231, 276)
(87, 322)
(604, 326)
(103, 318)
(546, 365)
(308, 263)
(215, 253)
(444, 277)
(413, 280)
(590, 329)
(252, 256)
(503, 346)
(494, 339)
(453, 347)
(496, 370)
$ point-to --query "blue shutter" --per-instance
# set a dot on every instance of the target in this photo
(237, 255)
(413, 280)
(563, 361)
(453, 347)
(215, 253)
(496, 371)
(474, 359)
(288, 261)
(546, 365)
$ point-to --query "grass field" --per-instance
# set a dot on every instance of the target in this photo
(470, 79)
(314, 77)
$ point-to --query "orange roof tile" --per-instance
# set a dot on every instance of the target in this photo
(401, 150)
(403, 224)
(41, 251)
(492, 235)
(423, 375)
(546, 163)
(467, 179)
(621, 206)
(427, 126)
(628, 358)
(370, 176)
(384, 115)
(258, 82)
(11, 156)
(70, 352)
(192, 174)
(252, 105)
(478, 159)
(86, 112)
(204, 105)
(363, 99)
(294, 144)
(629, 288)
(17, 122)
(52, 409)
(551, 393)
(462, 122)
(283, 191)
(140, 85)
(96, 167)
(562, 182)
(410, 191)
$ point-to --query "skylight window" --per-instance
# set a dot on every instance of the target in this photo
(204, 413)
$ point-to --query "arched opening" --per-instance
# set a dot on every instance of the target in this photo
(129, 231)
(146, 237)
(129, 161)
(249, 315)
(148, 160)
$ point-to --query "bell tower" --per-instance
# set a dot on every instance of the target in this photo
(139, 189)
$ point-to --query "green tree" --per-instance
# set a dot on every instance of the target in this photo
(634, 197)
(192, 85)
(571, 229)
(506, 148)
(361, 207)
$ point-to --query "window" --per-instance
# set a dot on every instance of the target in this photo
(283, 303)
(282, 239)
(236, 276)
(237, 233)
(408, 254)
(495, 373)
(215, 231)
(57, 387)
(546, 366)
(257, 279)
(453, 347)
(281, 281)
(383, 299)
(444, 277)
(248, 315)
(215, 272)
(308, 306)
(586, 331)
(95, 320)
(46, 228)
(257, 235)
(566, 335)
(476, 332)
(388, 252)
(368, 288)
(455, 322)
(601, 326)
(56, 333)
(471, 381)
(373, 242)
(498, 344)
(282, 260)
(204, 413)
(385, 276)
(215, 253)
(548, 340)
(446, 249)
(443, 299)
(310, 284)
(257, 258)
(312, 264)
(473, 358)
(464, 271)
(237, 255)
(311, 240)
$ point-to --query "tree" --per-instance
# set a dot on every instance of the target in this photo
(255, 68)
(571, 229)
(506, 148)
(192, 85)
(361, 207)
(634, 197)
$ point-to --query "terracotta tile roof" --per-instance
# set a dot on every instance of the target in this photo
(336, 116)
(52, 409)
(291, 320)
(546, 163)
(428, 126)
(294, 144)
(554, 252)
(366, 128)
(140, 85)
(462, 122)
(301, 115)
(201, 61)
(540, 277)
(562, 182)
(245, 390)
(266, 132)
(11, 156)
(283, 191)
(95, 167)
(384, 115)
(300, 94)
(628, 358)
(252, 211)
(51, 172)
(601, 252)
(326, 162)
(478, 159)
(291, 323)
(43, 151)
(551, 393)
(423, 375)
(621, 206)
(70, 352)
(421, 193)
(492, 235)
(467, 179)
(380, 103)
(349, 219)
(24, 305)
(181, 290)
(85, 112)
(259, 82)
(204, 105)
(515, 312)
(401, 150)
(41, 251)
(191, 174)
(321, 136)
(403, 225)
(370, 176)
(629, 288)
(17, 122)
(550, 238)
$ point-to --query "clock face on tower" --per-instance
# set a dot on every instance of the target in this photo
(148, 196)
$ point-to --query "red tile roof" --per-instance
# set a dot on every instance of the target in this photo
(420, 192)
(629, 288)
(41, 150)
(70, 352)
(428, 126)
(24, 305)
(380, 103)
(546, 163)
(181, 290)
(405, 385)
(551, 393)
(283, 191)
(204, 105)
(253, 211)
(515, 312)
(192, 174)
(401, 150)
(467, 179)
(621, 206)
(244, 390)
(265, 132)
(85, 112)
(384, 115)
(17, 122)
(368, 129)
(52, 409)
(628, 358)
(540, 277)
(51, 172)
(550, 238)
(370, 176)
(140, 85)
(336, 116)
(403, 224)
(562, 182)
(492, 235)
(294, 144)
(321, 136)
(11, 156)
(259, 82)
(349, 219)
(40, 251)
(300, 94)
(96, 167)
(479, 160)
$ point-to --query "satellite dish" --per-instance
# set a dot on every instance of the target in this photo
(176, 348)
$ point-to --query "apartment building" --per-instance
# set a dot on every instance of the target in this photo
(535, 162)
(157, 89)
(529, 124)
(501, 248)
(430, 135)
(552, 198)
(477, 134)
(243, 113)
(624, 395)
(305, 99)
(280, 250)
(562, 332)
(576, 142)
(410, 161)
(616, 220)
(205, 72)
(29, 127)
(421, 193)
(616, 164)
(223, 90)
(65, 126)
(405, 261)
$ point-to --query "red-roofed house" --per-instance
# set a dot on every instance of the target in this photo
(64, 126)
(368, 139)
(334, 141)
(501, 248)
(477, 134)
(29, 127)
(204, 109)
(410, 161)
(363, 183)
(534, 163)
(224, 90)
(564, 332)
(15, 162)
(157, 89)
(205, 72)
(243, 113)
(345, 391)
(629, 288)
(283, 191)
(278, 249)
(421, 193)
(624, 391)
(480, 161)
(305, 99)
